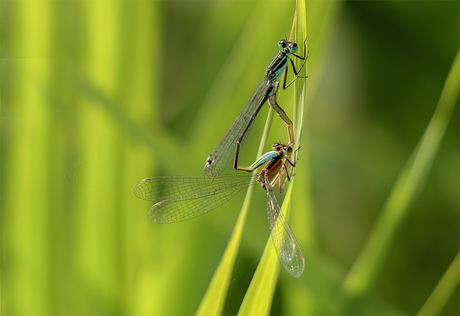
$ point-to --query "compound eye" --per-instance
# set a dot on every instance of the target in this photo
(282, 44)
(293, 47)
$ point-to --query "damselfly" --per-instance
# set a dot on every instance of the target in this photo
(179, 198)
(229, 146)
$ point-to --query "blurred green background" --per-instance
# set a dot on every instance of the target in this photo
(139, 88)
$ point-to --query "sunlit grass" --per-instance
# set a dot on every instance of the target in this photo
(443, 290)
(368, 265)
(133, 89)
(410, 182)
(259, 295)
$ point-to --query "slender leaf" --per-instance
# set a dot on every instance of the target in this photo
(259, 296)
(366, 268)
(443, 290)
(214, 298)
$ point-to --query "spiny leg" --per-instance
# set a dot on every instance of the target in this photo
(272, 102)
(285, 170)
(296, 72)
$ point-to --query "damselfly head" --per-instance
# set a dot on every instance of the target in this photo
(289, 47)
(282, 149)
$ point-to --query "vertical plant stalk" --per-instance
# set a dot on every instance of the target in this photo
(259, 297)
(214, 298)
(443, 290)
(366, 268)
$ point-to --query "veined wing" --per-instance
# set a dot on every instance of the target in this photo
(180, 198)
(286, 246)
(224, 153)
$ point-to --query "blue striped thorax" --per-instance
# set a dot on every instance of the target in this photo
(265, 158)
(280, 62)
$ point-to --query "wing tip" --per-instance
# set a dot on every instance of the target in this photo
(209, 164)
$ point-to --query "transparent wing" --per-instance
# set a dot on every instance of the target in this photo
(286, 246)
(180, 198)
(224, 153)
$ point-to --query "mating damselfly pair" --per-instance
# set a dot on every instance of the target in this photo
(180, 198)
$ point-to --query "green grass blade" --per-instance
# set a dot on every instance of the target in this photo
(27, 168)
(300, 84)
(443, 291)
(258, 298)
(214, 298)
(365, 270)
